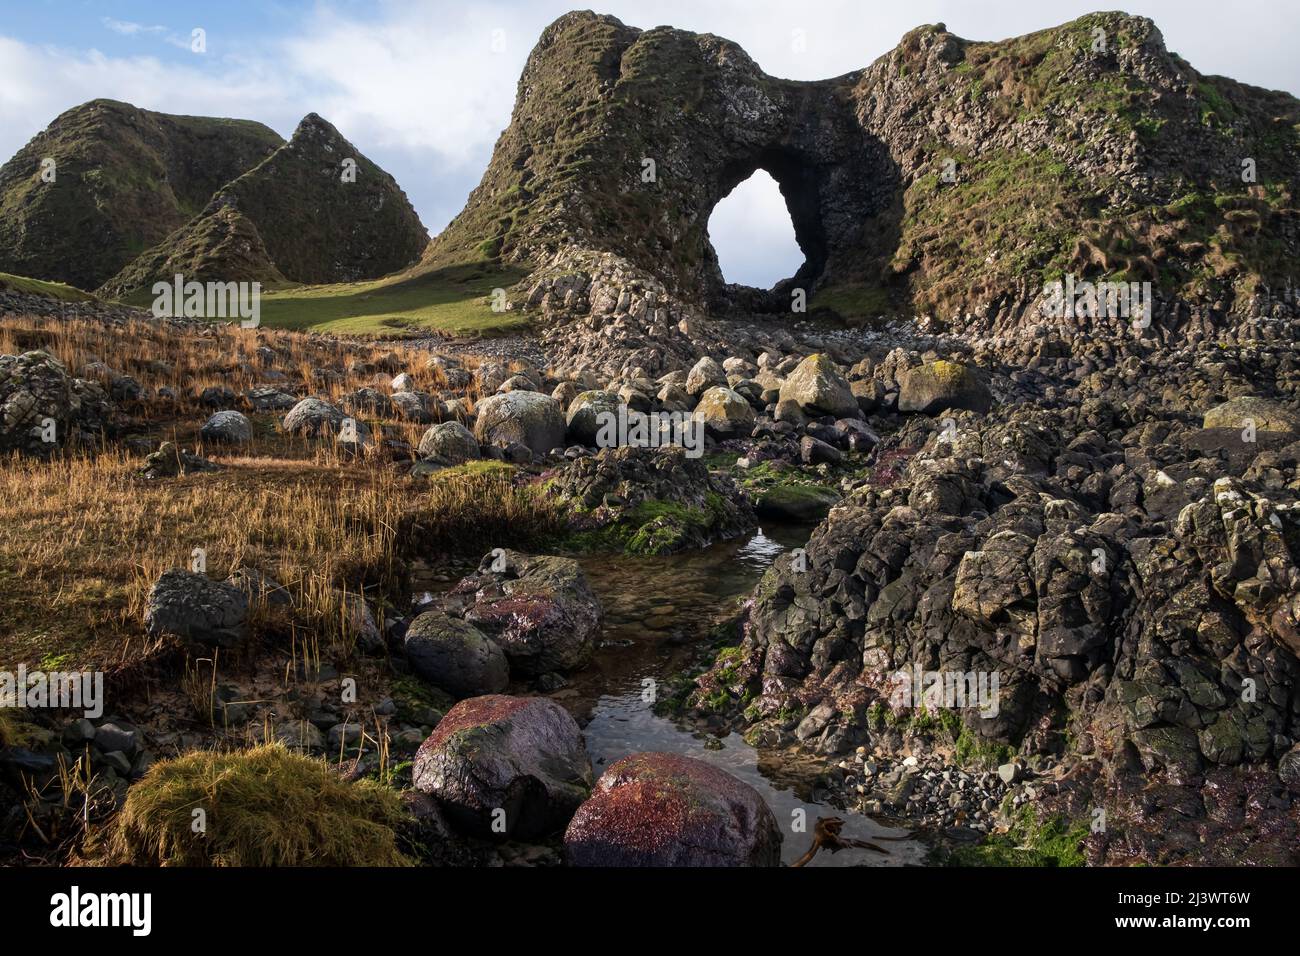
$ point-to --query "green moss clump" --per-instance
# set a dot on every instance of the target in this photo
(1029, 842)
(261, 807)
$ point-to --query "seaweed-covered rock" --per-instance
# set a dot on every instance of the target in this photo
(539, 609)
(662, 809)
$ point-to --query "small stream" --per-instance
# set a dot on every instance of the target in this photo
(657, 609)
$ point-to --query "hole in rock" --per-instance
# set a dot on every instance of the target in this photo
(752, 233)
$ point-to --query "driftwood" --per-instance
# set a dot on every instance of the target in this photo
(826, 836)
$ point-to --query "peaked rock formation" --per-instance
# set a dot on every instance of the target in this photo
(948, 176)
(122, 179)
(316, 210)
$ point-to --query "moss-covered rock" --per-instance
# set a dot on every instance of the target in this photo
(942, 386)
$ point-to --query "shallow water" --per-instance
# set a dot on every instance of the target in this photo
(656, 609)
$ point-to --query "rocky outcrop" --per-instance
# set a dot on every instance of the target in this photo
(648, 500)
(919, 183)
(44, 409)
(661, 809)
(1128, 595)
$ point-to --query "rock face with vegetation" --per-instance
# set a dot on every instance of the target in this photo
(123, 179)
(315, 210)
(648, 501)
(949, 177)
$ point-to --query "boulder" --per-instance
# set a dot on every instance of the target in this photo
(530, 418)
(725, 413)
(451, 441)
(586, 415)
(704, 375)
(942, 386)
(455, 656)
(1268, 417)
(35, 390)
(540, 610)
(227, 427)
(818, 388)
(194, 607)
(313, 418)
(662, 809)
(505, 766)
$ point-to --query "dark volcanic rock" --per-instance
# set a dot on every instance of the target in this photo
(455, 656)
(505, 766)
(661, 809)
(194, 606)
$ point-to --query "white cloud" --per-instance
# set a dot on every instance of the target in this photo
(129, 29)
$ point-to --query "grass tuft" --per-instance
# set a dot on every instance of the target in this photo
(260, 807)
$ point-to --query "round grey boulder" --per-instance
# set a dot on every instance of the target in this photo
(587, 413)
(313, 417)
(450, 440)
(529, 418)
(456, 656)
(229, 427)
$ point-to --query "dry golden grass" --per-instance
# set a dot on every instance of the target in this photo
(85, 536)
(189, 360)
(85, 539)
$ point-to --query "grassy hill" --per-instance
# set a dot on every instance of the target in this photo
(455, 299)
(124, 178)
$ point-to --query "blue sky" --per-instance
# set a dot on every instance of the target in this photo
(424, 87)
